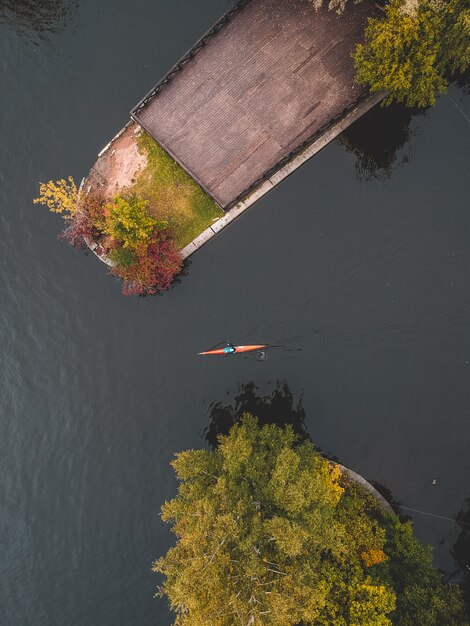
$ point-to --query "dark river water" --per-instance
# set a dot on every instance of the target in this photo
(358, 265)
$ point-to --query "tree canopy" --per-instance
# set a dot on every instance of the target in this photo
(60, 196)
(141, 249)
(271, 533)
(333, 5)
(411, 51)
(128, 221)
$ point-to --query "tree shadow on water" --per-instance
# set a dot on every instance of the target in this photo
(40, 16)
(381, 140)
(462, 81)
(277, 408)
(389, 497)
(461, 550)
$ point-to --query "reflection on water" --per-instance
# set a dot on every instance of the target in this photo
(390, 498)
(37, 15)
(381, 140)
(277, 408)
(461, 550)
(462, 80)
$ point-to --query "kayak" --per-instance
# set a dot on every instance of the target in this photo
(237, 349)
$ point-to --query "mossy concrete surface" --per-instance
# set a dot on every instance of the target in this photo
(172, 194)
(134, 163)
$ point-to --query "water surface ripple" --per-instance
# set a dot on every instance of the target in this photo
(364, 280)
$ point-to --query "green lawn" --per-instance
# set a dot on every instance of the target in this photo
(173, 195)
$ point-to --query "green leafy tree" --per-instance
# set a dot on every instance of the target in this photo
(260, 540)
(272, 534)
(409, 52)
(128, 222)
(122, 257)
(421, 596)
(457, 37)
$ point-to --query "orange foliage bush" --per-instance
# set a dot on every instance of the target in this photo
(373, 557)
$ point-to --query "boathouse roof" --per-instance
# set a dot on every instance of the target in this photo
(269, 77)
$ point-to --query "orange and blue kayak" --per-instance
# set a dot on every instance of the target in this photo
(235, 349)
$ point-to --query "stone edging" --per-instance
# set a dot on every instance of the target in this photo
(282, 173)
(108, 145)
(92, 245)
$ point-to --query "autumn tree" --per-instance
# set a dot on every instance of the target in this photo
(152, 270)
(59, 196)
(122, 257)
(128, 222)
(141, 250)
(422, 598)
(82, 213)
(260, 540)
(410, 51)
(270, 533)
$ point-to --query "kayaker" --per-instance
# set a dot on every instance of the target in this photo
(229, 348)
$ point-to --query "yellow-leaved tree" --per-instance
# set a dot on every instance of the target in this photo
(128, 221)
(411, 50)
(59, 196)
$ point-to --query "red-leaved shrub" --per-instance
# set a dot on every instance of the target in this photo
(149, 267)
(156, 266)
(80, 227)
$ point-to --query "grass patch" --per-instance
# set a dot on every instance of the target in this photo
(173, 195)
